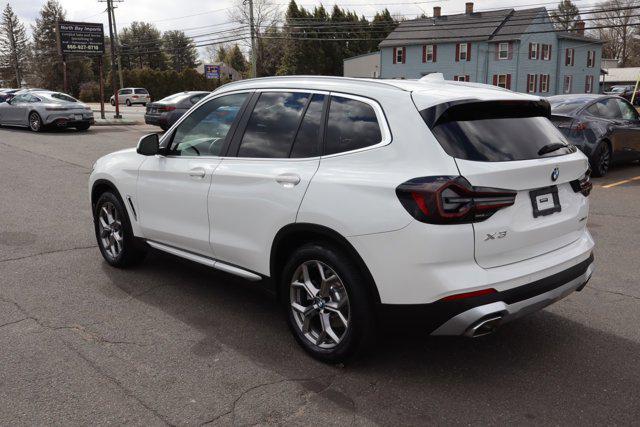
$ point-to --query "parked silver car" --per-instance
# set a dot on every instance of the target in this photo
(132, 95)
(39, 109)
(167, 111)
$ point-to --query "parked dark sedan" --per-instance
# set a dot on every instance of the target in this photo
(625, 91)
(167, 111)
(7, 94)
(606, 128)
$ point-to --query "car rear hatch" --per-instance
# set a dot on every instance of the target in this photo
(512, 145)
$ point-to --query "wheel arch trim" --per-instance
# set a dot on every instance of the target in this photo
(281, 239)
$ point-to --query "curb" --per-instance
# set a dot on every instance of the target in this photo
(115, 122)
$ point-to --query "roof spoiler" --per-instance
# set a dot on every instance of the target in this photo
(475, 109)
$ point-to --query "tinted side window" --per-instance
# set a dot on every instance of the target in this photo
(273, 124)
(204, 131)
(628, 112)
(307, 143)
(351, 125)
(141, 91)
(194, 99)
(608, 108)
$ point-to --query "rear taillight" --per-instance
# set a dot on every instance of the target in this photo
(580, 126)
(451, 200)
(583, 185)
(166, 108)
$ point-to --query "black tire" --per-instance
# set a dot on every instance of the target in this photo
(144, 104)
(132, 250)
(83, 127)
(112, 102)
(359, 333)
(35, 122)
(128, 102)
(601, 159)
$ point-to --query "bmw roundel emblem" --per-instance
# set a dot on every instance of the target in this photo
(555, 174)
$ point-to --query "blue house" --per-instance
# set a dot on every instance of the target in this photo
(515, 49)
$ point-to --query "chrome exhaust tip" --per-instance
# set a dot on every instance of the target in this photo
(484, 327)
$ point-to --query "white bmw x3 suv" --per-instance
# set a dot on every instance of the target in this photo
(454, 206)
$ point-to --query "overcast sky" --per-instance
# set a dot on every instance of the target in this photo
(192, 15)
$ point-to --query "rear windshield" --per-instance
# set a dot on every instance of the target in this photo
(140, 91)
(567, 106)
(495, 131)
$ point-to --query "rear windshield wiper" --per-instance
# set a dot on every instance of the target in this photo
(549, 148)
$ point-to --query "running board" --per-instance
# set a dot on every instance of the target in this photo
(209, 262)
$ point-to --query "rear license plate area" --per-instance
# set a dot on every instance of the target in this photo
(78, 116)
(545, 201)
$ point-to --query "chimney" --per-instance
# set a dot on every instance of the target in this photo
(468, 7)
(436, 11)
(580, 27)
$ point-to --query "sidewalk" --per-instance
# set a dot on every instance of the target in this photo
(133, 115)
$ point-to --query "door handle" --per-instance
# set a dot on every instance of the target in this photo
(197, 173)
(288, 179)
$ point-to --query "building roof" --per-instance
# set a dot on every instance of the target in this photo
(472, 27)
(577, 37)
(627, 74)
(496, 25)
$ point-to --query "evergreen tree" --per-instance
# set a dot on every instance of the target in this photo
(142, 47)
(14, 46)
(180, 50)
(236, 59)
(221, 53)
(566, 15)
(45, 49)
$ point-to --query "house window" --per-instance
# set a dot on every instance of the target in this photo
(502, 80)
(546, 52)
(533, 50)
(429, 53)
(591, 58)
(568, 57)
(461, 78)
(399, 55)
(588, 84)
(567, 84)
(544, 83)
(463, 51)
(503, 51)
(532, 82)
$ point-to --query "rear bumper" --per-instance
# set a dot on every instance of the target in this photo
(155, 120)
(461, 317)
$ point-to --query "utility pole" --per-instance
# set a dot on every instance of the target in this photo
(253, 40)
(115, 35)
(114, 83)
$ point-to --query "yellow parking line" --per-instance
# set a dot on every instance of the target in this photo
(624, 181)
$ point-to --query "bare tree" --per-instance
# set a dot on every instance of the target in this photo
(618, 16)
(266, 15)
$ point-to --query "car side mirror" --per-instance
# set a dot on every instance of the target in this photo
(149, 145)
(8, 101)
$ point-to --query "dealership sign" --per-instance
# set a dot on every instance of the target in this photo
(80, 37)
(212, 71)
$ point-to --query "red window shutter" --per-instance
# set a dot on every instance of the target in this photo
(535, 82)
(435, 52)
(395, 54)
(510, 51)
(495, 80)
(528, 81)
(404, 55)
(497, 51)
(566, 57)
(468, 51)
(573, 56)
(424, 53)
(466, 77)
(586, 82)
(537, 50)
(457, 52)
(508, 81)
(550, 52)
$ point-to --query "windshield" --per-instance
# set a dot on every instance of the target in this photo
(495, 131)
(174, 97)
(140, 91)
(617, 89)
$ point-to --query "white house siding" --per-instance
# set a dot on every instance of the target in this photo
(367, 65)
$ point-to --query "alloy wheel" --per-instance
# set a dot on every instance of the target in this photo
(110, 230)
(604, 159)
(34, 122)
(319, 304)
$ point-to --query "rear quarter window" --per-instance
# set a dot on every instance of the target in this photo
(351, 125)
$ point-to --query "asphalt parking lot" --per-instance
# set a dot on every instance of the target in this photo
(171, 342)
